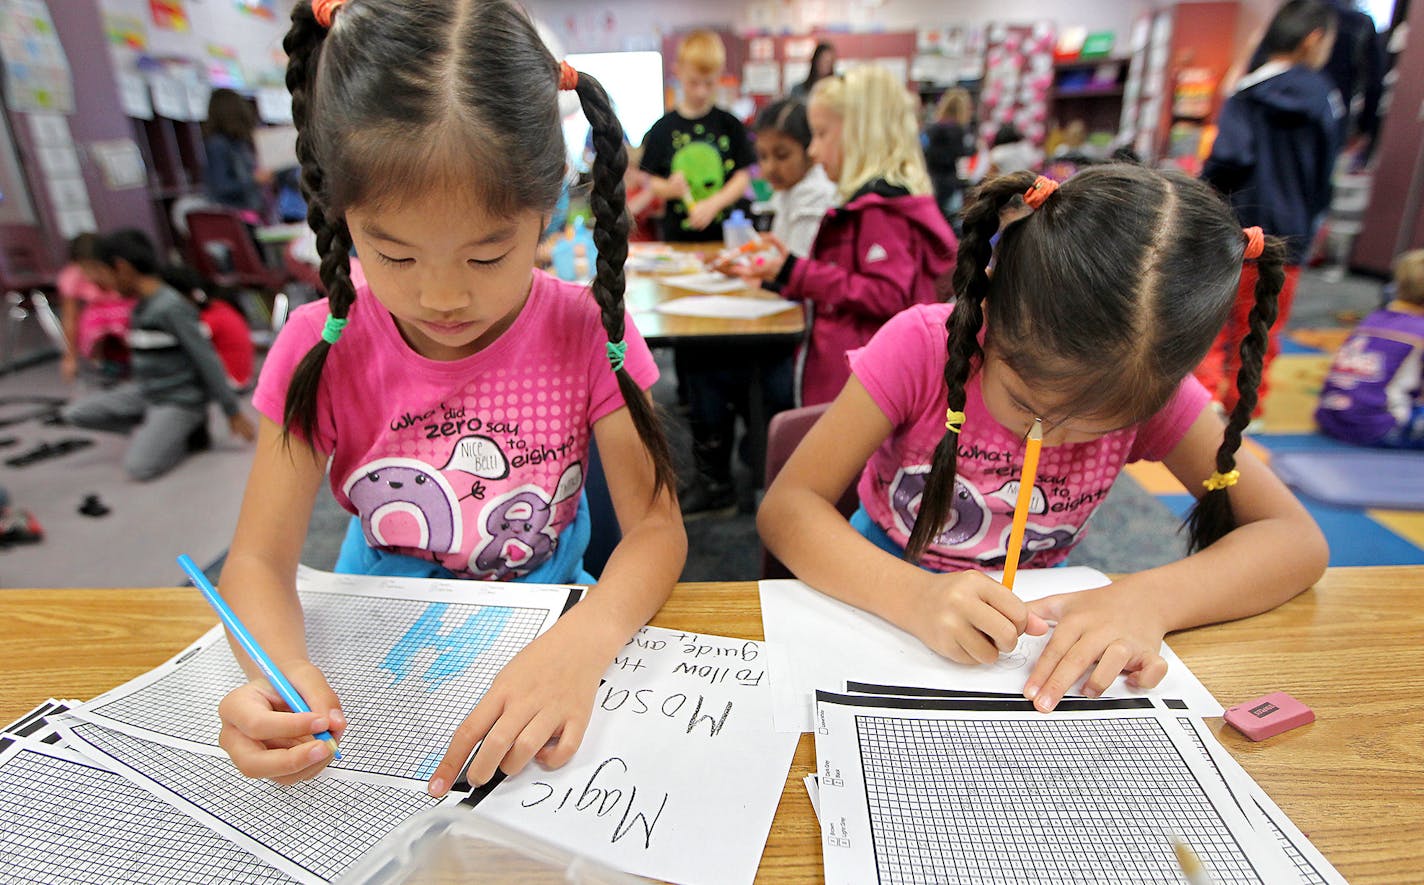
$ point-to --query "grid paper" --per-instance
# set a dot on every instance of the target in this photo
(69, 822)
(351, 638)
(315, 829)
(1304, 867)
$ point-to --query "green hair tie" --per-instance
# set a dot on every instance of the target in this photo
(332, 330)
(616, 352)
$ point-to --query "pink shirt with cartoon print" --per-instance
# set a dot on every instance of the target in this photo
(902, 368)
(476, 463)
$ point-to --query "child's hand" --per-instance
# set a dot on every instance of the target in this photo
(263, 739)
(764, 264)
(699, 215)
(969, 618)
(545, 692)
(239, 424)
(1113, 626)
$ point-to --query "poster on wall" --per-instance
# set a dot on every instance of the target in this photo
(125, 31)
(36, 71)
(63, 178)
(224, 67)
(169, 15)
(259, 8)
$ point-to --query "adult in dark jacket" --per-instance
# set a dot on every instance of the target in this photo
(1279, 136)
(949, 139)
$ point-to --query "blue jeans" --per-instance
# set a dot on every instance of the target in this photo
(565, 567)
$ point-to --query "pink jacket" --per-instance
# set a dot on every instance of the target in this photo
(873, 257)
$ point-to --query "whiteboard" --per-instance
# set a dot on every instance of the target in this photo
(634, 81)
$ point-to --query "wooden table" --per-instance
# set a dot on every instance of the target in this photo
(647, 291)
(1352, 648)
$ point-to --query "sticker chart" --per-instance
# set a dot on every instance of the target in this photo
(963, 790)
(312, 831)
(820, 643)
(68, 820)
(681, 769)
(408, 658)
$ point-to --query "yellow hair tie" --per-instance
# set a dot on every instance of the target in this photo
(1221, 480)
(953, 421)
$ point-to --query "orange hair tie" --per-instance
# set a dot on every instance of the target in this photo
(1255, 242)
(1042, 188)
(325, 11)
(568, 77)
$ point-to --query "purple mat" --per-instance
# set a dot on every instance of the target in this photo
(1366, 478)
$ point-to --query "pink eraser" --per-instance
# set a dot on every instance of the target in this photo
(1268, 715)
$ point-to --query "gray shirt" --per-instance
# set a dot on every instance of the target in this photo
(173, 358)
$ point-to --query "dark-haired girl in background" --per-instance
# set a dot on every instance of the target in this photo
(452, 389)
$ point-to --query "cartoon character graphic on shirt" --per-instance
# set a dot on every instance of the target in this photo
(970, 517)
(516, 528)
(701, 163)
(405, 503)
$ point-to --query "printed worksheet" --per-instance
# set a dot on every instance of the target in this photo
(821, 643)
(680, 771)
(312, 830)
(709, 282)
(725, 307)
(978, 790)
(70, 821)
(409, 659)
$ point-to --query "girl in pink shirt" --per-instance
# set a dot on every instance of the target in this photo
(95, 319)
(1104, 294)
(457, 409)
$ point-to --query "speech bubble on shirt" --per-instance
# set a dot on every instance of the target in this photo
(570, 481)
(479, 455)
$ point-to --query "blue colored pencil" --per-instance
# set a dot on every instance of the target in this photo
(249, 644)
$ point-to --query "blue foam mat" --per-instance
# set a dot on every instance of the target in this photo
(1387, 480)
(1354, 538)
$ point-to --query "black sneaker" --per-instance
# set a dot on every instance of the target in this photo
(707, 499)
(199, 440)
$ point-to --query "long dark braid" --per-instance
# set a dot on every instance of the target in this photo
(610, 235)
(971, 287)
(1211, 518)
(333, 240)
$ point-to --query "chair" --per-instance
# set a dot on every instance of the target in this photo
(783, 435)
(25, 275)
(221, 247)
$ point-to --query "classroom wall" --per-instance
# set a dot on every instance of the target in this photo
(636, 24)
(257, 41)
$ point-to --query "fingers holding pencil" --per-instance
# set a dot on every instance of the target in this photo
(264, 739)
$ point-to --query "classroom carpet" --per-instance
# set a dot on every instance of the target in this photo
(135, 544)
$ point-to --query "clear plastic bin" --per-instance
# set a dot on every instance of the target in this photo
(452, 845)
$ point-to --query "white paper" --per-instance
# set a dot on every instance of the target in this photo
(898, 66)
(312, 831)
(1089, 790)
(794, 72)
(121, 162)
(725, 307)
(680, 771)
(133, 96)
(73, 222)
(761, 78)
(168, 96)
(711, 282)
(813, 792)
(50, 130)
(276, 147)
(69, 820)
(828, 642)
(1310, 865)
(409, 659)
(274, 106)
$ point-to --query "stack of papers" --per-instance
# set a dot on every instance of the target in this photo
(931, 771)
(133, 787)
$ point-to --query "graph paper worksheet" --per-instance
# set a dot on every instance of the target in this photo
(945, 790)
(312, 830)
(69, 821)
(408, 658)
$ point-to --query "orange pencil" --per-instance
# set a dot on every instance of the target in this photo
(1021, 507)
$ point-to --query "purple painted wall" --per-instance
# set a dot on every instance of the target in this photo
(97, 116)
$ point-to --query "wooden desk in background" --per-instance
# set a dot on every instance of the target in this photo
(1352, 648)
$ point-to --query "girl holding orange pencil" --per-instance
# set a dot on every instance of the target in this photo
(1105, 293)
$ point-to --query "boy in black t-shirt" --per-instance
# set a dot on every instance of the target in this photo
(697, 155)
